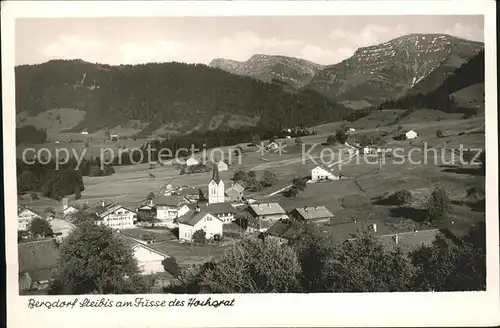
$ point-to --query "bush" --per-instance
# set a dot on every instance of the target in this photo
(292, 192)
(199, 236)
(341, 136)
(438, 205)
(401, 197)
(298, 141)
(331, 140)
(439, 134)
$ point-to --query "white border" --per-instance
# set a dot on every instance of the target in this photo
(298, 310)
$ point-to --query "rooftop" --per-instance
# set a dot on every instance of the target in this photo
(410, 240)
(267, 209)
(193, 217)
(38, 258)
(169, 200)
(314, 212)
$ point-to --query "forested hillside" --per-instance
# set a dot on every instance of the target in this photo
(164, 93)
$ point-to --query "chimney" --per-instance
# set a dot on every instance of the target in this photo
(197, 209)
(374, 225)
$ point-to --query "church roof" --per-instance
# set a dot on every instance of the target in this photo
(215, 175)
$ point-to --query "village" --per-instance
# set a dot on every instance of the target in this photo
(192, 225)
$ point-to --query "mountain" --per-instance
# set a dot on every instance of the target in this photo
(164, 96)
(292, 71)
(412, 63)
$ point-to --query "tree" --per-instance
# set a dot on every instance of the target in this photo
(78, 193)
(298, 141)
(439, 134)
(107, 134)
(452, 265)
(49, 210)
(475, 192)
(182, 170)
(269, 179)
(254, 266)
(199, 236)
(40, 227)
(151, 196)
(170, 265)
(341, 136)
(401, 197)
(34, 196)
(482, 159)
(256, 139)
(363, 264)
(299, 184)
(438, 205)
(95, 260)
(331, 140)
(201, 196)
(291, 192)
(27, 181)
(239, 175)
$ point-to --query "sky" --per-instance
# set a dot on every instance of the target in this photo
(321, 39)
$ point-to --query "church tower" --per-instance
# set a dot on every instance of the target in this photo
(215, 188)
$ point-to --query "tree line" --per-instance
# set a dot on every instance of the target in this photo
(160, 93)
(30, 134)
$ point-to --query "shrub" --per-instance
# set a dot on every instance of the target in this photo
(199, 236)
(439, 134)
(298, 141)
(401, 197)
(292, 192)
(331, 140)
(438, 205)
(341, 136)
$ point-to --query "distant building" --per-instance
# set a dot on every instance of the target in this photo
(85, 133)
(352, 130)
(222, 166)
(114, 216)
(235, 193)
(409, 241)
(315, 214)
(265, 215)
(24, 217)
(149, 260)
(272, 146)
(38, 261)
(215, 188)
(167, 208)
(147, 206)
(192, 161)
(223, 211)
(114, 137)
(61, 228)
(323, 173)
(66, 208)
(198, 219)
(411, 134)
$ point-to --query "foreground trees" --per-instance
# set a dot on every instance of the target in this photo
(94, 260)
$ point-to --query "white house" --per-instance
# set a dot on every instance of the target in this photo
(222, 166)
(235, 193)
(149, 260)
(411, 134)
(216, 188)
(198, 219)
(352, 130)
(323, 173)
(114, 216)
(167, 208)
(61, 228)
(24, 218)
(85, 133)
(192, 161)
(66, 208)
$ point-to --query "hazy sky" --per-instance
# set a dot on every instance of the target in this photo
(324, 39)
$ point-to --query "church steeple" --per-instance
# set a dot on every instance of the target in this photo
(215, 174)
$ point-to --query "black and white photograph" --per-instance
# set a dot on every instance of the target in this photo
(178, 157)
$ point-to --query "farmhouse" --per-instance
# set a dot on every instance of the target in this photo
(265, 215)
(323, 173)
(279, 232)
(411, 134)
(192, 161)
(215, 188)
(315, 214)
(24, 218)
(411, 240)
(222, 166)
(147, 206)
(223, 211)
(114, 216)
(235, 193)
(167, 208)
(37, 262)
(198, 219)
(149, 260)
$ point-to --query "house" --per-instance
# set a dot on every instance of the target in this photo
(167, 208)
(279, 232)
(198, 219)
(352, 130)
(272, 146)
(24, 217)
(235, 193)
(315, 214)
(38, 261)
(411, 134)
(66, 208)
(341, 232)
(323, 173)
(114, 137)
(149, 260)
(114, 216)
(85, 133)
(192, 161)
(216, 188)
(222, 166)
(147, 206)
(265, 215)
(61, 228)
(223, 211)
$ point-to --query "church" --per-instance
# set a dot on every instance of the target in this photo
(216, 188)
